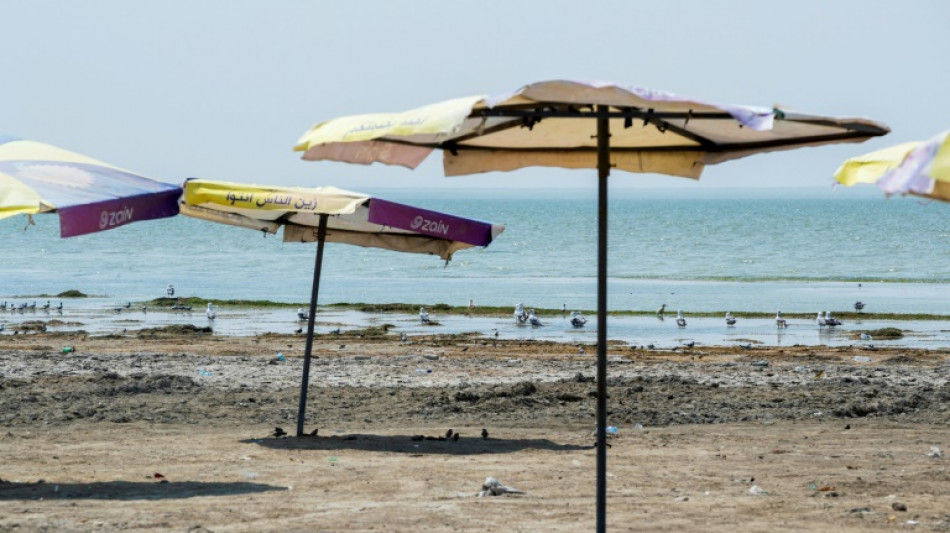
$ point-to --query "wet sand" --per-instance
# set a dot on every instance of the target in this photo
(712, 438)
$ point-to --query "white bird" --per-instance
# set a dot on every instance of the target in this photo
(520, 315)
(661, 310)
(170, 290)
(780, 320)
(210, 311)
(680, 321)
(577, 319)
(493, 487)
(820, 320)
(858, 306)
(830, 320)
(301, 314)
(403, 337)
(534, 320)
(730, 320)
(423, 315)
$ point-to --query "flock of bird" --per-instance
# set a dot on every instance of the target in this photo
(823, 319)
(23, 306)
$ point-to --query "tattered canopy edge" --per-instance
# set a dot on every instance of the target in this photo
(388, 241)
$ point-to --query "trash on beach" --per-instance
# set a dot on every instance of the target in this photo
(638, 426)
(934, 452)
(862, 358)
(204, 373)
(422, 371)
(68, 349)
(758, 491)
(612, 430)
(493, 487)
(763, 362)
(280, 357)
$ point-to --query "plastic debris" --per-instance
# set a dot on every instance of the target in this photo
(862, 358)
(758, 491)
(934, 452)
(68, 349)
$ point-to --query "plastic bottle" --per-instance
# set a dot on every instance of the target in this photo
(421, 371)
(68, 349)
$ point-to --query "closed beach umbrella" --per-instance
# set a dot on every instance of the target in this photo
(573, 124)
(328, 214)
(918, 168)
(89, 195)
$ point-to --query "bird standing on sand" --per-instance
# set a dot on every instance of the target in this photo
(534, 320)
(820, 320)
(301, 314)
(780, 320)
(858, 306)
(680, 321)
(730, 320)
(661, 310)
(423, 315)
(209, 312)
(279, 432)
(455, 438)
(448, 434)
(170, 290)
(484, 433)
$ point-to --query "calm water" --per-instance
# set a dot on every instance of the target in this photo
(693, 250)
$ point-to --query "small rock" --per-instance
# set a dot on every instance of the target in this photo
(898, 506)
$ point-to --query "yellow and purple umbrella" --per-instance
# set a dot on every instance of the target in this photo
(574, 124)
(918, 168)
(89, 195)
(328, 214)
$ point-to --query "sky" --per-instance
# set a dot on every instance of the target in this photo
(222, 89)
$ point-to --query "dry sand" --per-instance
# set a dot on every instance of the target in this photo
(173, 431)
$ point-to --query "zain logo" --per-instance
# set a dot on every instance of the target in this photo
(110, 219)
(416, 222)
(429, 226)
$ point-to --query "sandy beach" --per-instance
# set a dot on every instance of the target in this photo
(173, 429)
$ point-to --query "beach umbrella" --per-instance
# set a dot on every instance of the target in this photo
(89, 195)
(918, 168)
(328, 214)
(573, 124)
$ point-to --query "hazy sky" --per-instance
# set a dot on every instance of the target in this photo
(222, 89)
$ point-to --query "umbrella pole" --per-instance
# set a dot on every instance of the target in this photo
(603, 171)
(305, 379)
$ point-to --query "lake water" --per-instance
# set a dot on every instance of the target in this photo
(694, 250)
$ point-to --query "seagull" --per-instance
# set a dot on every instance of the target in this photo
(680, 321)
(127, 305)
(170, 290)
(301, 314)
(60, 306)
(780, 320)
(533, 320)
(210, 311)
(577, 319)
(403, 337)
(423, 315)
(471, 303)
(858, 306)
(33, 305)
(46, 306)
(820, 320)
(661, 310)
(830, 320)
(493, 487)
(520, 315)
(730, 320)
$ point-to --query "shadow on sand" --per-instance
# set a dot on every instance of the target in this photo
(127, 490)
(411, 444)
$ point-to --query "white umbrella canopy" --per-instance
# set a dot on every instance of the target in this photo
(576, 124)
(328, 214)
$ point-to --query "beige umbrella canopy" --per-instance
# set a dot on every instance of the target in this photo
(573, 124)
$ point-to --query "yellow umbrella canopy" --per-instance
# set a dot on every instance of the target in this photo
(573, 124)
(918, 168)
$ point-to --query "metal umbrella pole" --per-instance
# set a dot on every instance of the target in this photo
(603, 171)
(305, 379)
